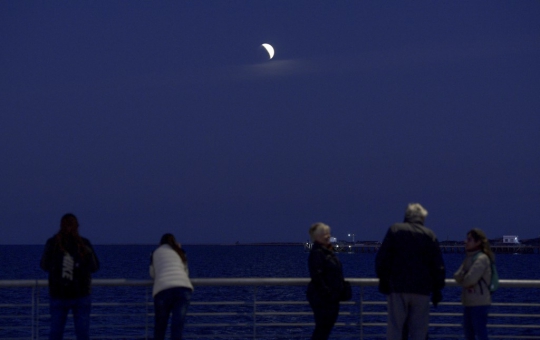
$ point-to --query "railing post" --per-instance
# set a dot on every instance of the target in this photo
(360, 313)
(35, 304)
(146, 308)
(254, 317)
(34, 310)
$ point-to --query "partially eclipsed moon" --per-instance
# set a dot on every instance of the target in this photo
(269, 49)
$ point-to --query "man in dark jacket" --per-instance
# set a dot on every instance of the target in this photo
(410, 267)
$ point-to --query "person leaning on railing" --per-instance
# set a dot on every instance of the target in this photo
(172, 287)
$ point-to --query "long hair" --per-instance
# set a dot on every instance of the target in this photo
(69, 234)
(479, 235)
(171, 241)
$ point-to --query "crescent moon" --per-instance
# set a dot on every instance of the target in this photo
(269, 49)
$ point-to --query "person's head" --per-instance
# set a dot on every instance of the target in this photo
(477, 240)
(69, 234)
(320, 233)
(415, 210)
(69, 226)
(168, 239)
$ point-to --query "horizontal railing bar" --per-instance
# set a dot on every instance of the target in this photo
(292, 324)
(514, 337)
(92, 315)
(219, 314)
(292, 313)
(5, 316)
(255, 281)
(374, 303)
(212, 303)
(142, 337)
(116, 304)
(102, 315)
(515, 304)
(445, 325)
(220, 336)
(493, 315)
(383, 303)
(13, 328)
(513, 326)
(191, 325)
(383, 324)
(128, 326)
(292, 303)
(374, 324)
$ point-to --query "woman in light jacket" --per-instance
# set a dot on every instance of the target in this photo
(474, 275)
(172, 287)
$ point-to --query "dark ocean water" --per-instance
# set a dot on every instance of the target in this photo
(214, 261)
(131, 262)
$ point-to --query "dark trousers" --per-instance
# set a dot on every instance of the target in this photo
(173, 302)
(475, 322)
(60, 308)
(325, 317)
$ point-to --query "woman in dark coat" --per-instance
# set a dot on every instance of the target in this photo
(70, 260)
(326, 283)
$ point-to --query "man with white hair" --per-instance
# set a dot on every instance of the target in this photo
(410, 267)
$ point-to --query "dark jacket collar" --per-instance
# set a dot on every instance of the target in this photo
(317, 245)
(414, 220)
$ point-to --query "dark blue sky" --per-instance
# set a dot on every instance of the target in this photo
(147, 117)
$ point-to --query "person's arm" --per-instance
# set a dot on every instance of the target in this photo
(459, 274)
(93, 259)
(438, 270)
(383, 259)
(316, 268)
(383, 262)
(186, 268)
(151, 269)
(46, 257)
(474, 274)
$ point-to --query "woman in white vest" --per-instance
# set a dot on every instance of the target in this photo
(172, 287)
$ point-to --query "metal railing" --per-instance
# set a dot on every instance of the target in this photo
(258, 308)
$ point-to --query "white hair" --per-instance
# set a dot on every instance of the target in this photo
(416, 210)
(316, 229)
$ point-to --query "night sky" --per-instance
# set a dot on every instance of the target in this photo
(144, 117)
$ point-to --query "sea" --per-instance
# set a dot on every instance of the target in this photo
(131, 262)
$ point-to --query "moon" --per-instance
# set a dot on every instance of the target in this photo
(269, 49)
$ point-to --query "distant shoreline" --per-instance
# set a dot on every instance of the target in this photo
(531, 241)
